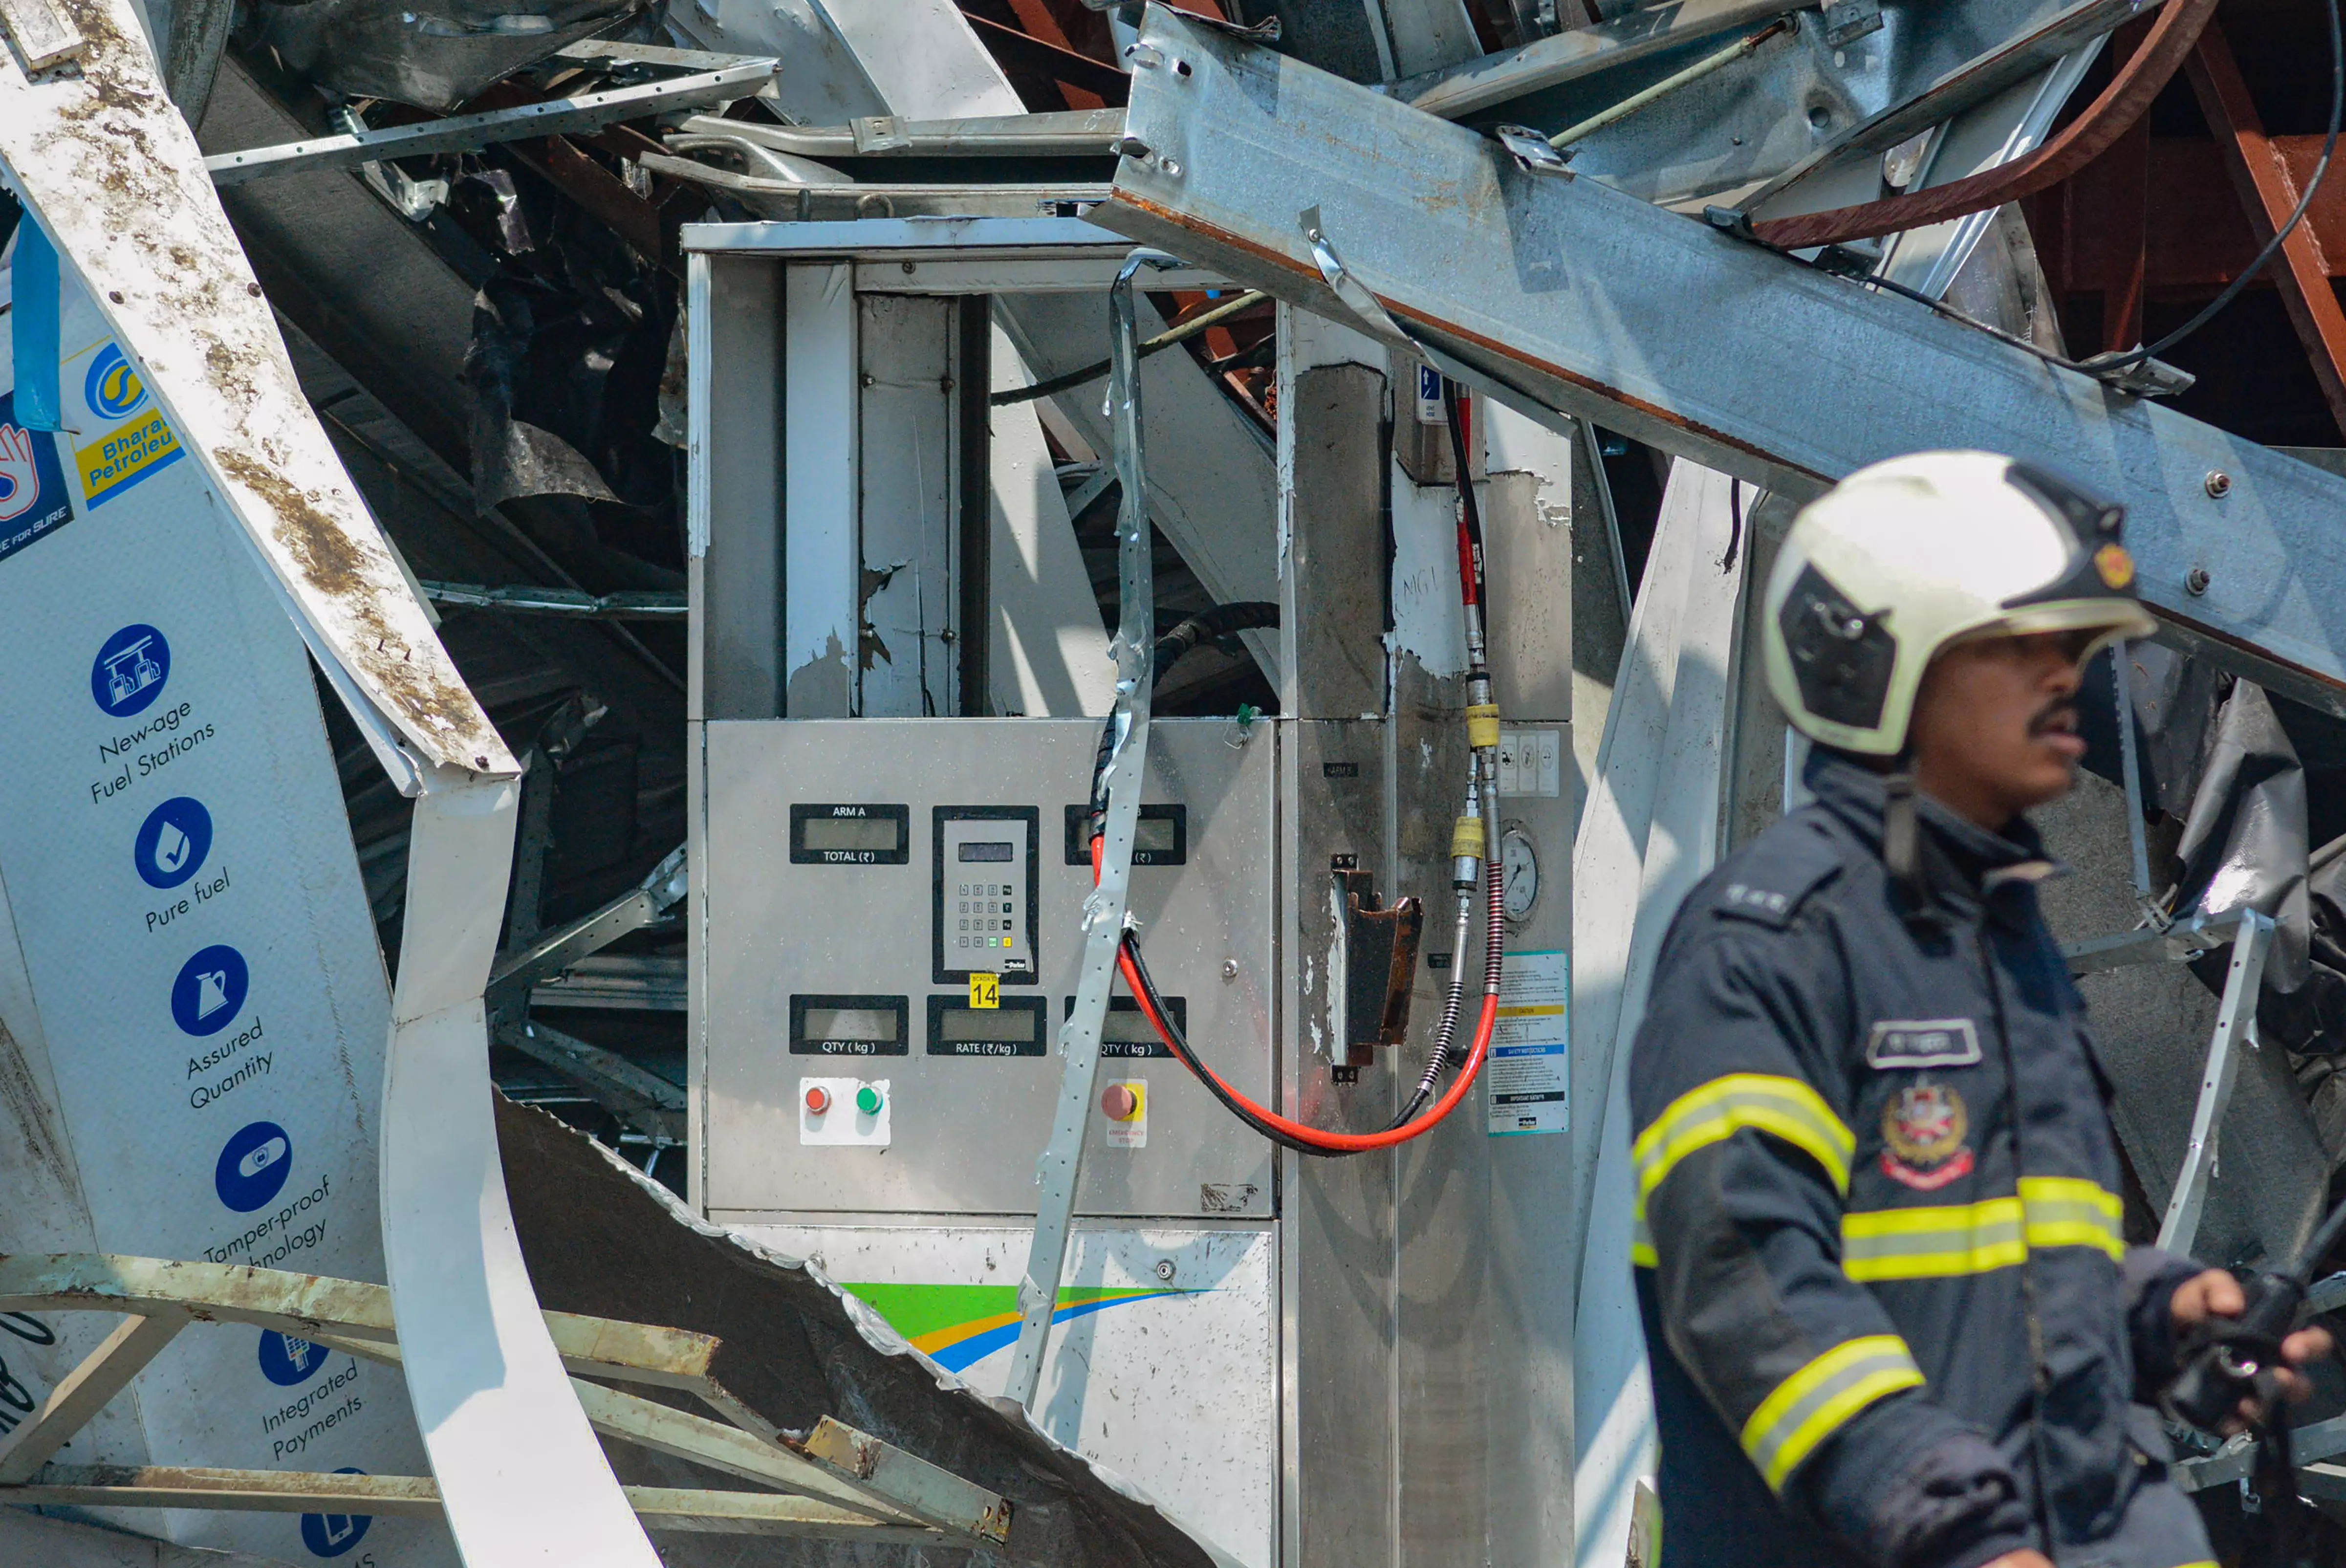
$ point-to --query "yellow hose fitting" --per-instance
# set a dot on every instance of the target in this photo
(1483, 724)
(1466, 839)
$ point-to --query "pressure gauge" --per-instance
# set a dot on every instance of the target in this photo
(1519, 868)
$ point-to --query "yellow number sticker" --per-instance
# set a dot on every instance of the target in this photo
(986, 991)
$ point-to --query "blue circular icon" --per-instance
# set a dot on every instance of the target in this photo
(173, 842)
(112, 388)
(130, 671)
(331, 1534)
(253, 1167)
(210, 990)
(285, 1360)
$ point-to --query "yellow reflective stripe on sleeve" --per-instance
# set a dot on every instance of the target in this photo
(1785, 1108)
(1641, 1242)
(1819, 1400)
(1933, 1242)
(2067, 1211)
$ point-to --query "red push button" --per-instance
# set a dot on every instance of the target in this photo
(818, 1099)
(1120, 1103)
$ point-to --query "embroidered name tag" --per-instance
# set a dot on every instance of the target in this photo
(1922, 1042)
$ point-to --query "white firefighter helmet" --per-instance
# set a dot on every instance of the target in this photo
(1908, 558)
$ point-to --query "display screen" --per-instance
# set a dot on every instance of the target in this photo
(847, 1026)
(1132, 1028)
(851, 1023)
(1126, 1032)
(1012, 1029)
(988, 849)
(1159, 838)
(850, 833)
(853, 833)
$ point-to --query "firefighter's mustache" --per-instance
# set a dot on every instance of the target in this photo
(2059, 715)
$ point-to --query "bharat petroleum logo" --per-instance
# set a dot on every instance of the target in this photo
(112, 388)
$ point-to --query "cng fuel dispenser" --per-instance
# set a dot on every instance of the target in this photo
(1307, 1221)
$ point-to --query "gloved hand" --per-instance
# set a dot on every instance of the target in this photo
(2215, 1294)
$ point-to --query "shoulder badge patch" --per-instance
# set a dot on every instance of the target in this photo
(1922, 1042)
(1925, 1127)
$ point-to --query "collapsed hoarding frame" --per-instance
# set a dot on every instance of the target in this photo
(1563, 297)
(837, 1483)
(108, 169)
(738, 78)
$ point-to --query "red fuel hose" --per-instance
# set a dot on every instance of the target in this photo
(1281, 1129)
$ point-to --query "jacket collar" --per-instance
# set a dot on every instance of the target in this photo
(1962, 859)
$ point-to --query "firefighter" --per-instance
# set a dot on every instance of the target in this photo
(1890, 1317)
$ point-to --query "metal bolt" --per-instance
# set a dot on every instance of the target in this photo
(253, 290)
(907, 266)
(1164, 1269)
(2196, 582)
(1171, 166)
(115, 295)
(1229, 969)
(2219, 484)
(869, 380)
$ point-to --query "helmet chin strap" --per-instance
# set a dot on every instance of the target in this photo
(1902, 842)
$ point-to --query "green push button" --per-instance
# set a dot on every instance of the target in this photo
(868, 1101)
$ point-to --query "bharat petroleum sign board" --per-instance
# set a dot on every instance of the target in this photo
(120, 437)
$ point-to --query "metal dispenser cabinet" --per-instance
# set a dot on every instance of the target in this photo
(1308, 1361)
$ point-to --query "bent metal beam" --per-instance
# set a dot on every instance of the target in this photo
(1564, 298)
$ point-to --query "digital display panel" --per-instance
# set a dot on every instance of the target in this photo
(1127, 1030)
(848, 1025)
(853, 833)
(1013, 1029)
(988, 849)
(1159, 838)
(850, 833)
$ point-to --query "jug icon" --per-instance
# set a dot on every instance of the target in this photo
(211, 992)
(171, 848)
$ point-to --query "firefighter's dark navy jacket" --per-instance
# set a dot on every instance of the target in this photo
(1890, 1317)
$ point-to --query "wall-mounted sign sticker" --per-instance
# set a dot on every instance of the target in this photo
(253, 1167)
(331, 1534)
(285, 1360)
(172, 842)
(210, 991)
(130, 671)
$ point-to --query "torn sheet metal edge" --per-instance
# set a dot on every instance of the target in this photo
(876, 1333)
(1060, 1166)
(2067, 32)
(521, 1473)
(947, 199)
(1576, 297)
(469, 133)
(1928, 258)
(109, 169)
(1456, 91)
(2235, 1025)
(1078, 133)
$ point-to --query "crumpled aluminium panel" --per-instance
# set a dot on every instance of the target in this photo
(433, 54)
